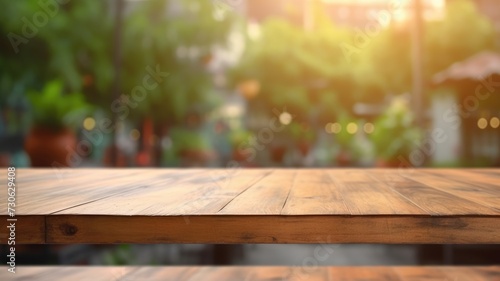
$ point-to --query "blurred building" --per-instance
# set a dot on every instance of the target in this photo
(476, 106)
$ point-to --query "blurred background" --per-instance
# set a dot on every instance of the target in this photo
(250, 83)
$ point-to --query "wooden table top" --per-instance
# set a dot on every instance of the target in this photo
(253, 273)
(255, 206)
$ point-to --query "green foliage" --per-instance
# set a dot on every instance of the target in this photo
(395, 133)
(77, 49)
(390, 56)
(303, 70)
(298, 69)
(189, 140)
(462, 33)
(79, 44)
(121, 255)
(53, 110)
(300, 132)
(68, 46)
(344, 138)
(238, 137)
(179, 42)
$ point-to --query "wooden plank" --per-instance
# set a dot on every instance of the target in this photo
(427, 206)
(253, 273)
(266, 273)
(218, 229)
(311, 272)
(313, 194)
(472, 192)
(170, 192)
(218, 194)
(494, 172)
(66, 273)
(434, 201)
(471, 273)
(478, 179)
(58, 195)
(363, 195)
(280, 273)
(225, 273)
(80, 187)
(389, 177)
(169, 273)
(147, 196)
(421, 274)
(363, 273)
(28, 229)
(41, 273)
(265, 197)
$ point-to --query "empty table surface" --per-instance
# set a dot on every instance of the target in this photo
(253, 273)
(255, 206)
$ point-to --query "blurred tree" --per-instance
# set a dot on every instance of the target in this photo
(16, 56)
(390, 54)
(463, 32)
(57, 41)
(302, 70)
(178, 38)
(46, 40)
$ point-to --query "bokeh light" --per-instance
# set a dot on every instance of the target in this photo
(285, 118)
(89, 123)
(482, 123)
(336, 128)
(352, 128)
(369, 128)
(333, 128)
(495, 122)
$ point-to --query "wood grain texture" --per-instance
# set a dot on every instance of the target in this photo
(253, 273)
(435, 201)
(272, 229)
(256, 205)
(28, 229)
(424, 274)
(52, 191)
(315, 193)
(479, 193)
(363, 195)
(267, 197)
(363, 273)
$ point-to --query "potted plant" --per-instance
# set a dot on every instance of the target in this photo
(303, 137)
(51, 139)
(395, 134)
